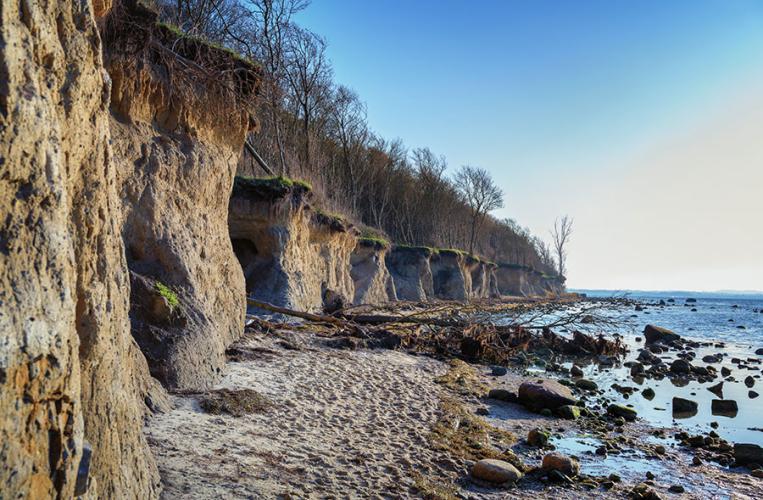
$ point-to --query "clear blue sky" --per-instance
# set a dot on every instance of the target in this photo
(562, 100)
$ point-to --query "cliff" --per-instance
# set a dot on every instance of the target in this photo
(291, 255)
(69, 369)
(177, 138)
(372, 281)
(411, 272)
(517, 280)
(451, 276)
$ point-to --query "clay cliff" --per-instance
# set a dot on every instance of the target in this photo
(69, 369)
(177, 138)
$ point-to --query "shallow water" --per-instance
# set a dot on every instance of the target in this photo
(715, 319)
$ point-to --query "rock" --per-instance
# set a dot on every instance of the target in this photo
(625, 412)
(676, 488)
(496, 471)
(660, 449)
(696, 460)
(725, 371)
(482, 411)
(759, 352)
(587, 385)
(498, 371)
(558, 462)
(684, 407)
(717, 389)
(752, 394)
(749, 381)
(576, 371)
(637, 369)
(545, 394)
(757, 473)
(502, 395)
(654, 334)
(724, 407)
(680, 366)
(569, 412)
(538, 438)
(648, 358)
(644, 492)
(745, 453)
(648, 393)
(691, 300)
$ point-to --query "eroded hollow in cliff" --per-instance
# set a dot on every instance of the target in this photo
(250, 259)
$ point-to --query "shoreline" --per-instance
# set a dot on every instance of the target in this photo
(335, 401)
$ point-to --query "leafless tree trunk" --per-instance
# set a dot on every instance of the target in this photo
(561, 234)
(480, 194)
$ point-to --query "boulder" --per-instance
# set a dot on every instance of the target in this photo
(749, 381)
(649, 358)
(496, 471)
(717, 389)
(680, 366)
(498, 371)
(625, 412)
(569, 412)
(538, 438)
(746, 453)
(724, 407)
(502, 395)
(648, 393)
(586, 385)
(545, 394)
(684, 407)
(576, 371)
(655, 334)
(558, 462)
(759, 352)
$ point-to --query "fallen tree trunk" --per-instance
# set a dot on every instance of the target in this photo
(318, 318)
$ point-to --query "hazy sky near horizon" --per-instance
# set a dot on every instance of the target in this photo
(642, 120)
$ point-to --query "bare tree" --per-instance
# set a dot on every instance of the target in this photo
(308, 74)
(561, 234)
(480, 194)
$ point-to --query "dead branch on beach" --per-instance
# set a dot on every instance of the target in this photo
(472, 331)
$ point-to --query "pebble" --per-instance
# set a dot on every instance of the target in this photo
(496, 471)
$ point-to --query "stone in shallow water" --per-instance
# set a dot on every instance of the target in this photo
(545, 394)
(746, 453)
(496, 471)
(587, 385)
(684, 407)
(569, 412)
(538, 438)
(724, 407)
(625, 412)
(562, 463)
(654, 334)
(498, 371)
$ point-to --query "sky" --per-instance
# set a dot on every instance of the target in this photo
(642, 120)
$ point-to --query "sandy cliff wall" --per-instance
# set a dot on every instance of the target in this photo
(484, 283)
(411, 273)
(373, 282)
(176, 143)
(451, 279)
(524, 281)
(69, 370)
(290, 254)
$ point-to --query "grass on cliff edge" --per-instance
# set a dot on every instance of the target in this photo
(167, 293)
(278, 181)
(178, 32)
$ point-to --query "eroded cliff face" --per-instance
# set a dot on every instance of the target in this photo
(176, 143)
(290, 255)
(69, 369)
(411, 273)
(373, 282)
(451, 279)
(526, 282)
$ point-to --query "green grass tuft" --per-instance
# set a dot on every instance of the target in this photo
(167, 293)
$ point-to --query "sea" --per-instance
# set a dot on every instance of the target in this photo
(730, 322)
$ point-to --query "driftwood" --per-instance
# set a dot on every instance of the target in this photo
(472, 337)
